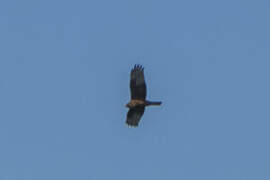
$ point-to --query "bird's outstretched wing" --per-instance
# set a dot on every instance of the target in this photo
(137, 83)
(134, 115)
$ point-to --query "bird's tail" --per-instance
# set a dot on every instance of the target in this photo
(153, 103)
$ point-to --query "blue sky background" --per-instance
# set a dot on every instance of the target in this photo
(64, 81)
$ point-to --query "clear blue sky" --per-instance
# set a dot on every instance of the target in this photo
(64, 81)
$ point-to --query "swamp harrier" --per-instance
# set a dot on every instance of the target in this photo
(138, 94)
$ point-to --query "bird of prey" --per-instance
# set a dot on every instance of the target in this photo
(138, 100)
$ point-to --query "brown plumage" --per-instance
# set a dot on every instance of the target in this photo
(138, 97)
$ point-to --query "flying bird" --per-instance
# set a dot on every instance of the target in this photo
(138, 100)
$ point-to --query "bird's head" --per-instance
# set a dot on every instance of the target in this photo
(128, 105)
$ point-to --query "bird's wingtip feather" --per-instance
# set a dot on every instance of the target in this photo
(131, 125)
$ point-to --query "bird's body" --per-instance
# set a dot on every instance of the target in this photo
(138, 100)
(135, 102)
